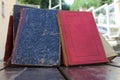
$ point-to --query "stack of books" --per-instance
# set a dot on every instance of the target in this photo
(42, 37)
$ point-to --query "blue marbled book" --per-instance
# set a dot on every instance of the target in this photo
(16, 15)
(38, 40)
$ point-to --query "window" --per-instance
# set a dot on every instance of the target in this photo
(3, 9)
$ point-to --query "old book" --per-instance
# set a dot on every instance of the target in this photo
(110, 52)
(16, 13)
(9, 41)
(115, 62)
(37, 41)
(81, 43)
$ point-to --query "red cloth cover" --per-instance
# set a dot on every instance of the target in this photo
(81, 42)
(9, 41)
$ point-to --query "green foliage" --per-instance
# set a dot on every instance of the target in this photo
(21, 1)
(106, 1)
(76, 5)
(65, 6)
(44, 3)
(88, 3)
(35, 2)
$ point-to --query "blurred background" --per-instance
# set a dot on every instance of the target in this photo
(106, 14)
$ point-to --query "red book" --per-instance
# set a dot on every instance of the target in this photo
(81, 43)
(9, 41)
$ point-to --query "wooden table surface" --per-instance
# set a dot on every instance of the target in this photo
(109, 71)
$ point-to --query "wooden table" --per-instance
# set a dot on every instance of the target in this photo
(87, 72)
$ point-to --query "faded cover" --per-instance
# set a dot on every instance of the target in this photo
(81, 42)
(115, 62)
(37, 41)
(16, 13)
(103, 72)
(12, 73)
(9, 40)
(110, 52)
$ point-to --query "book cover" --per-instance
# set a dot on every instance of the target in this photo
(37, 41)
(110, 52)
(81, 43)
(115, 62)
(9, 41)
(16, 13)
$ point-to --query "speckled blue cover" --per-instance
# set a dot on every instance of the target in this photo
(37, 40)
(16, 16)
